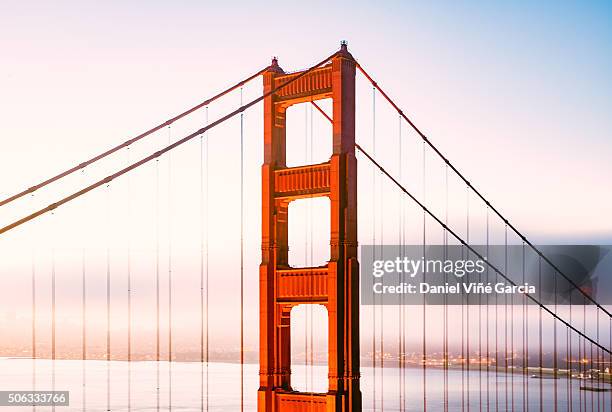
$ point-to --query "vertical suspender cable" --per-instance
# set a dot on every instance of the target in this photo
(579, 361)
(157, 317)
(404, 309)
(506, 320)
(206, 259)
(582, 366)
(480, 352)
(53, 314)
(540, 355)
(374, 347)
(589, 372)
(467, 317)
(84, 323)
(84, 333)
(555, 343)
(382, 306)
(129, 285)
(598, 363)
(241, 256)
(511, 350)
(568, 355)
(602, 364)
(306, 369)
(33, 281)
(445, 346)
(202, 228)
(587, 359)
(424, 343)
(463, 333)
(487, 316)
(400, 354)
(169, 271)
(526, 355)
(584, 353)
(596, 359)
(496, 348)
(524, 334)
(108, 299)
(599, 367)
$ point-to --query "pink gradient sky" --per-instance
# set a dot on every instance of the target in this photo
(517, 96)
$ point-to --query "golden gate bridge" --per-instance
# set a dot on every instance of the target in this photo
(581, 357)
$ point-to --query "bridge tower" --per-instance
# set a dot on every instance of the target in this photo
(334, 285)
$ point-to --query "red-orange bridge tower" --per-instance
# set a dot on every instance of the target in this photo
(334, 285)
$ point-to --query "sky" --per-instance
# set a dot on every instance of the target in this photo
(517, 95)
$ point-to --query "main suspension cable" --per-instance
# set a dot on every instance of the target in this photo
(129, 142)
(158, 153)
(476, 253)
(462, 177)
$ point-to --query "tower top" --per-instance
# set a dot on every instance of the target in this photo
(274, 67)
(343, 52)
